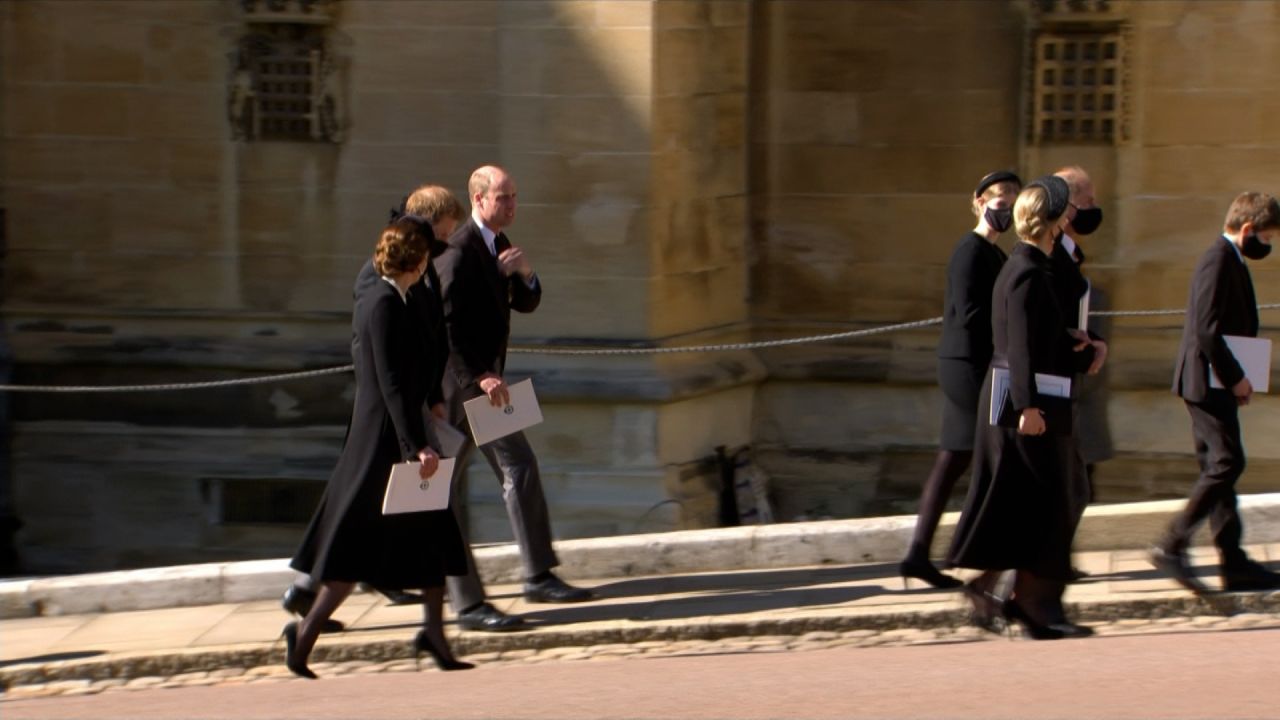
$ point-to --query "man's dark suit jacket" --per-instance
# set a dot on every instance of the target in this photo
(1069, 283)
(425, 298)
(478, 302)
(1221, 303)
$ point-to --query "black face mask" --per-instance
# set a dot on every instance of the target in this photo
(998, 219)
(1087, 220)
(1253, 248)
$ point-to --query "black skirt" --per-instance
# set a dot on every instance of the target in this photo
(1017, 515)
(961, 383)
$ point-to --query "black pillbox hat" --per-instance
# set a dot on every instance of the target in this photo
(998, 176)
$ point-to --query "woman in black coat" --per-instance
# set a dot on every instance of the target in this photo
(964, 353)
(1017, 515)
(349, 539)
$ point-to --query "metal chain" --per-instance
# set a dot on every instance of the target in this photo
(175, 386)
(722, 347)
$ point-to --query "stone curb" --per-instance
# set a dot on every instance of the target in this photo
(169, 663)
(830, 542)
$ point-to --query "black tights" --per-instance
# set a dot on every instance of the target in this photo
(947, 469)
(332, 594)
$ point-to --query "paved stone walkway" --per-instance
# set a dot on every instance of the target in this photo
(817, 640)
(790, 610)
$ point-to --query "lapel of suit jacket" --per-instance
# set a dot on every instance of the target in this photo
(490, 264)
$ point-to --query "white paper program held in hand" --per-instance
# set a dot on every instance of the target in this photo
(488, 423)
(1254, 356)
(407, 492)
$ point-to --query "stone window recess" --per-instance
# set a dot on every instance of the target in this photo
(284, 82)
(1078, 80)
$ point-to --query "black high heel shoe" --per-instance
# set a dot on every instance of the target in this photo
(1013, 612)
(421, 644)
(1071, 630)
(297, 667)
(986, 607)
(925, 571)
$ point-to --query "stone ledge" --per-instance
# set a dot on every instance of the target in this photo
(830, 542)
(1145, 606)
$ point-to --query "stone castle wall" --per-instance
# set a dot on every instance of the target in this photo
(689, 171)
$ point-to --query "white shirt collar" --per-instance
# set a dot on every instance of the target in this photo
(1233, 247)
(1068, 244)
(486, 233)
(403, 297)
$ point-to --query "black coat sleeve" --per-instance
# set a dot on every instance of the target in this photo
(970, 284)
(1026, 295)
(525, 299)
(1210, 291)
(393, 362)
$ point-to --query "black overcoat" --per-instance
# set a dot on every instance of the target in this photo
(1018, 513)
(349, 539)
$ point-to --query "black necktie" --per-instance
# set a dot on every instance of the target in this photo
(500, 243)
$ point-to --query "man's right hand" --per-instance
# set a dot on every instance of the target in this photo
(496, 389)
(1243, 390)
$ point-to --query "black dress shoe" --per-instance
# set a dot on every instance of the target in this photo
(1175, 563)
(1013, 613)
(1072, 630)
(925, 571)
(552, 589)
(986, 612)
(487, 618)
(298, 601)
(1249, 576)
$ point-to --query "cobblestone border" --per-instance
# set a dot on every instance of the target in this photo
(568, 641)
(758, 643)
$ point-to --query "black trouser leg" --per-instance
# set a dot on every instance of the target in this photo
(1215, 425)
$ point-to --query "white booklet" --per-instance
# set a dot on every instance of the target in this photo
(1254, 356)
(408, 492)
(488, 423)
(1049, 385)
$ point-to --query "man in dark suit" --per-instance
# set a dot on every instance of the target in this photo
(483, 278)
(1070, 285)
(438, 207)
(1222, 303)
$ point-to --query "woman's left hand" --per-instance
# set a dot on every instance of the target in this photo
(430, 461)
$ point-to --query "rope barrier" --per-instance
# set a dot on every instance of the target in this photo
(722, 347)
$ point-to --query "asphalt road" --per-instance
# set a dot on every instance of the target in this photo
(1177, 675)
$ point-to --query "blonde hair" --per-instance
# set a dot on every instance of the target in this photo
(1006, 187)
(434, 203)
(1030, 214)
(401, 248)
(1259, 209)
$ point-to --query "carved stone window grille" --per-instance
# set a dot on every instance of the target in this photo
(283, 85)
(1077, 87)
(1078, 72)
